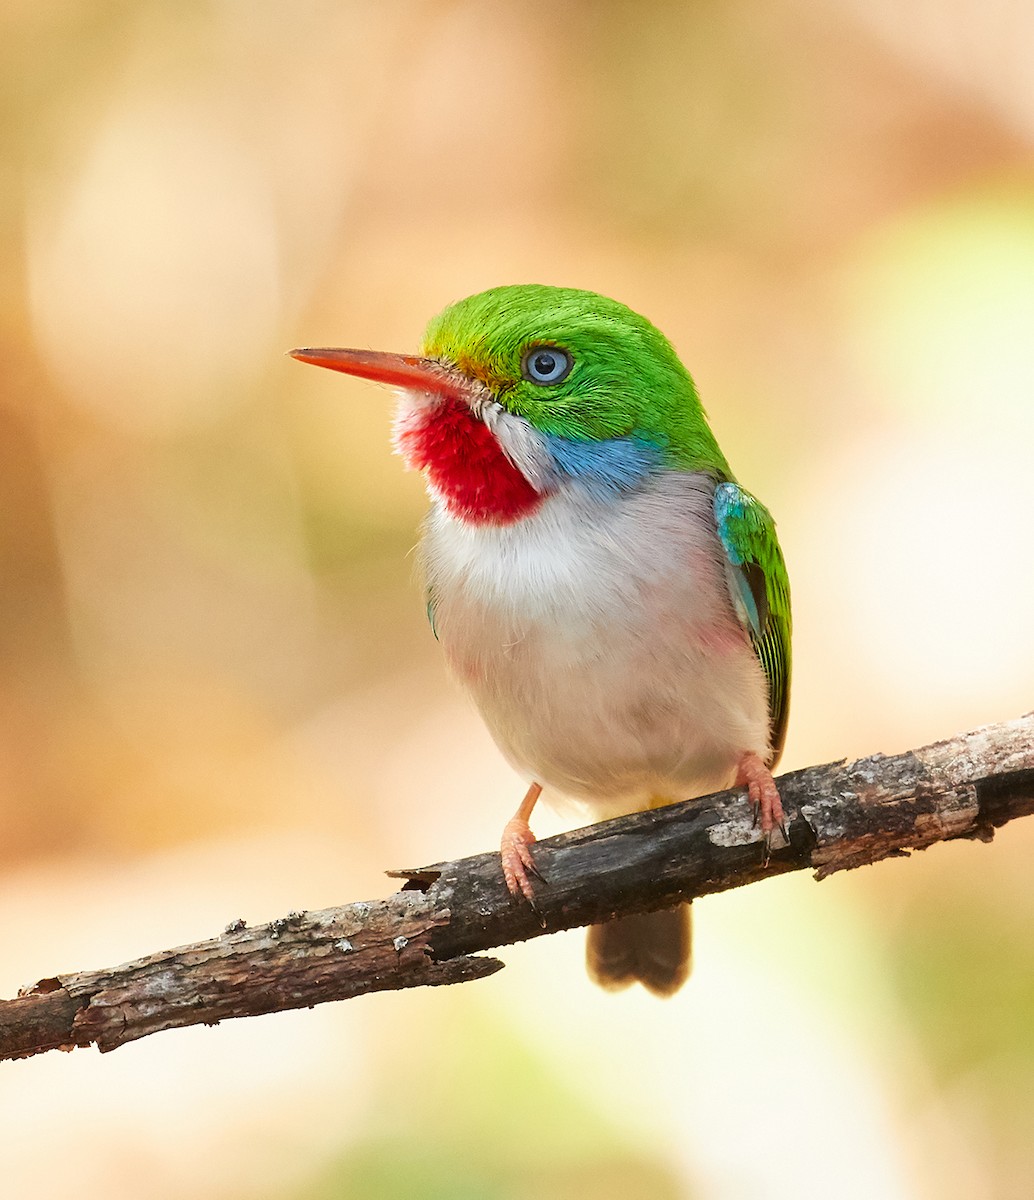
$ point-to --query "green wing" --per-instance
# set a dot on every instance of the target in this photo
(760, 593)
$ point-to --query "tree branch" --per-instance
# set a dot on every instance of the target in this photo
(838, 816)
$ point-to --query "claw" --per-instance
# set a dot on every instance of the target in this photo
(514, 849)
(535, 909)
(534, 870)
(767, 808)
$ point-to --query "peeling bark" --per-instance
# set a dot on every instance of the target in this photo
(838, 816)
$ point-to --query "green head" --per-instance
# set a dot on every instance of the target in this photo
(615, 375)
(527, 391)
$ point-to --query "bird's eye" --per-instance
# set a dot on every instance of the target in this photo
(546, 364)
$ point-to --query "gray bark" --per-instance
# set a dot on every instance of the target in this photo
(434, 930)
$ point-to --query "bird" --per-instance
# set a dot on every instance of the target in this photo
(613, 600)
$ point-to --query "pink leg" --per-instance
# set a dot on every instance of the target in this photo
(515, 847)
(752, 774)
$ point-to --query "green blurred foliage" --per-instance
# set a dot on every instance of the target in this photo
(478, 1114)
(961, 960)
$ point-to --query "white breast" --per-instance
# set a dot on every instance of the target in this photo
(600, 643)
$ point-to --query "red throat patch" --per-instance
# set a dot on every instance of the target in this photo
(465, 464)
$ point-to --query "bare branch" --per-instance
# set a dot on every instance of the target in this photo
(839, 816)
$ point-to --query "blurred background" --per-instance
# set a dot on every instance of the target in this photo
(219, 696)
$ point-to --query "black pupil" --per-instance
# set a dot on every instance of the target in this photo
(544, 363)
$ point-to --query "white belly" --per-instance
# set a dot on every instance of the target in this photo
(600, 644)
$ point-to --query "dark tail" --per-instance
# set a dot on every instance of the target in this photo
(655, 948)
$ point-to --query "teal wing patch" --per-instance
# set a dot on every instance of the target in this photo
(760, 593)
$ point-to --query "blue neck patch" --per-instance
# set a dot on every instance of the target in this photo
(604, 469)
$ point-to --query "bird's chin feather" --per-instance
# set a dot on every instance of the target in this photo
(465, 464)
(518, 440)
(523, 445)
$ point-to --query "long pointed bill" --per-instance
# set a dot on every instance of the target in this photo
(398, 370)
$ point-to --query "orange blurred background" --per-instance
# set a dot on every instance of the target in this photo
(219, 695)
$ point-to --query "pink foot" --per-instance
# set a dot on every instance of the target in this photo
(515, 850)
(764, 797)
